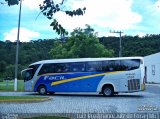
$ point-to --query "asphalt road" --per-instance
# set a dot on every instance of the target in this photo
(147, 101)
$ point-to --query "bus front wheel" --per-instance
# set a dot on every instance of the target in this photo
(42, 90)
(107, 91)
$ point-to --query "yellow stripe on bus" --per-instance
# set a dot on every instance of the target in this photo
(81, 77)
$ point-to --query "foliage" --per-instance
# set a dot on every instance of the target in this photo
(49, 8)
(82, 44)
(58, 51)
(2, 66)
(12, 2)
(49, 48)
(9, 72)
(133, 45)
(29, 52)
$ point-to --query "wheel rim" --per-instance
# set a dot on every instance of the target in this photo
(107, 91)
(42, 90)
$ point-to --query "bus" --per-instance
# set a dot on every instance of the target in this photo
(107, 76)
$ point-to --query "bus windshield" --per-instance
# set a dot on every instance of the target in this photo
(28, 73)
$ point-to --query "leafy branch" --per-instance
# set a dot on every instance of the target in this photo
(12, 2)
(49, 8)
(58, 28)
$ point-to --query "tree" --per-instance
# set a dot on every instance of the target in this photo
(81, 44)
(3, 65)
(58, 51)
(12, 2)
(49, 8)
(9, 71)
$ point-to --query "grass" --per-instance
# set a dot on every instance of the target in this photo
(10, 87)
(19, 97)
(22, 98)
(48, 117)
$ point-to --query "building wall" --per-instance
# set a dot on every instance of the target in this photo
(152, 62)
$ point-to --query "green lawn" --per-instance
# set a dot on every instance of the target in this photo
(22, 98)
(10, 87)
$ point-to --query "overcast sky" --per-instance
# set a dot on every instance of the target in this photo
(133, 17)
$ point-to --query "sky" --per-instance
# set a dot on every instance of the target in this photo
(132, 17)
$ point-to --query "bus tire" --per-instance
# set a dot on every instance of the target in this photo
(107, 91)
(42, 90)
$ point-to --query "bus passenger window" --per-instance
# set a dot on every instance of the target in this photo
(66, 69)
(46, 68)
(111, 69)
(108, 66)
(93, 66)
(111, 65)
(61, 68)
(78, 67)
(130, 64)
(75, 69)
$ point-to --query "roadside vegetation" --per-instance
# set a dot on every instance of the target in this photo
(81, 43)
(10, 86)
(22, 98)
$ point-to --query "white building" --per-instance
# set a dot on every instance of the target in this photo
(152, 66)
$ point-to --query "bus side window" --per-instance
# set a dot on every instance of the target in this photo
(61, 68)
(105, 66)
(94, 66)
(78, 67)
(108, 65)
(111, 65)
(130, 64)
(46, 68)
(117, 65)
(66, 68)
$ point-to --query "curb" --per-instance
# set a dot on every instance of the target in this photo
(25, 101)
(153, 84)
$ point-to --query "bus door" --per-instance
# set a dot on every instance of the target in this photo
(27, 75)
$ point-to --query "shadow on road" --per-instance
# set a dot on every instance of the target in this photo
(91, 95)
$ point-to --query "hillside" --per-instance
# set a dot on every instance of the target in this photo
(133, 46)
(33, 51)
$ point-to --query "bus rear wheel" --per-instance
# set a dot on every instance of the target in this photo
(108, 91)
(42, 90)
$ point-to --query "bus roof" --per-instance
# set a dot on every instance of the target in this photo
(82, 60)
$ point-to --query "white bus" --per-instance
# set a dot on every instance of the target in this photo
(108, 76)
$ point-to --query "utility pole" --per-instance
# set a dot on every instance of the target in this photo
(17, 48)
(120, 41)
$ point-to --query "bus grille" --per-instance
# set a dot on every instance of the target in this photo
(133, 84)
